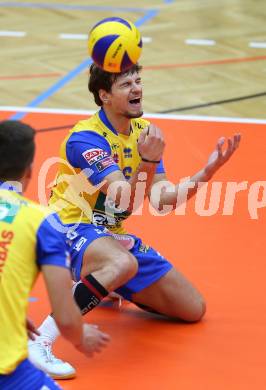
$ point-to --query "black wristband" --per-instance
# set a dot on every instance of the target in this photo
(150, 161)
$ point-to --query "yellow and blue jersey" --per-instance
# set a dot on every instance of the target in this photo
(27, 241)
(92, 150)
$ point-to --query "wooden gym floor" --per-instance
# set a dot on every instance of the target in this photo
(218, 89)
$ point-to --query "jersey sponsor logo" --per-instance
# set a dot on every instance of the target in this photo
(128, 152)
(110, 221)
(139, 125)
(94, 155)
(5, 241)
(102, 219)
(80, 244)
(144, 248)
(105, 163)
(115, 146)
(127, 171)
(3, 212)
(8, 211)
(71, 234)
(110, 206)
(116, 157)
(98, 231)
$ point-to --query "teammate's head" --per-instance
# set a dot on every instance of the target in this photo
(16, 149)
(117, 90)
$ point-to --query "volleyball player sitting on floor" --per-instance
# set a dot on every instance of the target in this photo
(117, 146)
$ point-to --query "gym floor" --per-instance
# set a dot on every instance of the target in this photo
(224, 255)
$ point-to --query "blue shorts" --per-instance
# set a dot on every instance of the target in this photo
(151, 265)
(27, 377)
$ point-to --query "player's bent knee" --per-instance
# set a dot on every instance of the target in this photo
(120, 268)
(125, 265)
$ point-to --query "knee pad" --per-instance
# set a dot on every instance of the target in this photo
(88, 293)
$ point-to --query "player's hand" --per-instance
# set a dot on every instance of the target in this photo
(31, 329)
(93, 340)
(151, 143)
(219, 156)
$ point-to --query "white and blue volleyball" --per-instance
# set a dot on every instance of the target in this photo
(115, 44)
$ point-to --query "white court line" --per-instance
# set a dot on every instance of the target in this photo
(258, 45)
(147, 115)
(146, 39)
(17, 34)
(84, 37)
(200, 42)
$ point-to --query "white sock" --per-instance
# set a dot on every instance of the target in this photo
(49, 330)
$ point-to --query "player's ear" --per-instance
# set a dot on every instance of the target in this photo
(28, 173)
(104, 96)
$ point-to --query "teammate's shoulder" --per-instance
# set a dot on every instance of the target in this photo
(45, 218)
(14, 197)
(42, 210)
(32, 206)
(29, 210)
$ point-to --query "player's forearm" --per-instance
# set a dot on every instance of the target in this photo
(189, 187)
(65, 311)
(69, 322)
(177, 194)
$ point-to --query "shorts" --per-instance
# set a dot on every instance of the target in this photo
(151, 265)
(27, 377)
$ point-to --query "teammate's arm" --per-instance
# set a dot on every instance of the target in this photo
(65, 311)
(86, 338)
(168, 194)
(53, 258)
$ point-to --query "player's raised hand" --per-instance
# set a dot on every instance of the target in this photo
(219, 156)
(93, 340)
(151, 143)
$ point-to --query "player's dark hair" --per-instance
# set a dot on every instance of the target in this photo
(17, 149)
(99, 79)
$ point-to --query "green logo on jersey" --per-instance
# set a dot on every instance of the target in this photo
(8, 211)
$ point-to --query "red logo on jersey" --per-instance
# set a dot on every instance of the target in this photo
(94, 155)
(5, 241)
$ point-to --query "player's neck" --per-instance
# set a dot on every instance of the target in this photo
(120, 123)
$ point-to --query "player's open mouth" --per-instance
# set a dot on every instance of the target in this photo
(135, 101)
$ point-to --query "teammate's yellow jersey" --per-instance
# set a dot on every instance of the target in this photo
(92, 150)
(27, 241)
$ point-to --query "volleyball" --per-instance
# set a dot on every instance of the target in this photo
(115, 44)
